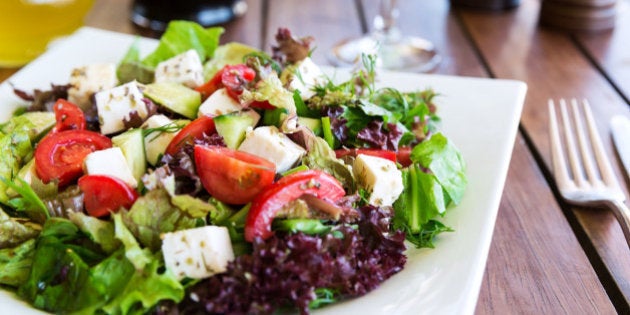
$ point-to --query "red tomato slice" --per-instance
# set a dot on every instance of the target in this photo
(104, 194)
(404, 156)
(59, 156)
(194, 130)
(210, 87)
(232, 77)
(68, 116)
(267, 204)
(386, 154)
(232, 176)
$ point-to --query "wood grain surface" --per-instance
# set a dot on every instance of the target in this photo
(545, 257)
(553, 66)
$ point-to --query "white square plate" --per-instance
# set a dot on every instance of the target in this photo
(480, 116)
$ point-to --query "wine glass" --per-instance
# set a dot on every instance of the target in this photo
(394, 51)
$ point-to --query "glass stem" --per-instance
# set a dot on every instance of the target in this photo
(385, 21)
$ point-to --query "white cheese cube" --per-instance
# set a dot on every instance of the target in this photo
(87, 80)
(219, 103)
(380, 177)
(185, 68)
(307, 75)
(109, 162)
(269, 143)
(197, 253)
(118, 103)
(155, 143)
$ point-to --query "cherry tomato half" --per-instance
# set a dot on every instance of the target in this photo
(68, 116)
(385, 154)
(232, 176)
(232, 77)
(194, 130)
(59, 156)
(103, 194)
(267, 204)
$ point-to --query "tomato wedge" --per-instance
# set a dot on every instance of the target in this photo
(232, 176)
(385, 154)
(232, 77)
(68, 116)
(59, 156)
(194, 130)
(104, 194)
(404, 156)
(266, 205)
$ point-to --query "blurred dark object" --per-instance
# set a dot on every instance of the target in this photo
(579, 15)
(486, 4)
(154, 15)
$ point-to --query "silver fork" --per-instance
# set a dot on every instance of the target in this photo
(589, 179)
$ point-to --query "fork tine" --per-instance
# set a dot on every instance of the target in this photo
(574, 158)
(586, 149)
(602, 159)
(557, 154)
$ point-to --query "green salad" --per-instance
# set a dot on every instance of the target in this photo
(208, 178)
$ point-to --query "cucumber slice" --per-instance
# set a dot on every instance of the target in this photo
(131, 143)
(315, 124)
(232, 127)
(175, 97)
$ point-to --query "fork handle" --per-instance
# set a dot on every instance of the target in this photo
(622, 213)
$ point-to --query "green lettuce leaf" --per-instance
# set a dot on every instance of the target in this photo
(59, 280)
(321, 157)
(145, 289)
(131, 67)
(152, 215)
(270, 89)
(28, 202)
(16, 148)
(148, 284)
(100, 232)
(15, 263)
(14, 231)
(444, 161)
(181, 36)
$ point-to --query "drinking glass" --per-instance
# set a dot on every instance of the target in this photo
(27, 26)
(394, 50)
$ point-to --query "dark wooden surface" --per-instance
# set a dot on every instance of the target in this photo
(546, 257)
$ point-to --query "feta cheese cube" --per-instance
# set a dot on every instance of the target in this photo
(219, 103)
(307, 75)
(381, 177)
(269, 143)
(155, 143)
(118, 103)
(197, 253)
(185, 68)
(109, 162)
(87, 80)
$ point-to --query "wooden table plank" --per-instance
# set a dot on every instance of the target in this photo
(534, 256)
(516, 48)
(610, 49)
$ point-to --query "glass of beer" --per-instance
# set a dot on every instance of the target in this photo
(27, 26)
(154, 15)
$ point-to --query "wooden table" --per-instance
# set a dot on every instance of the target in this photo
(546, 257)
